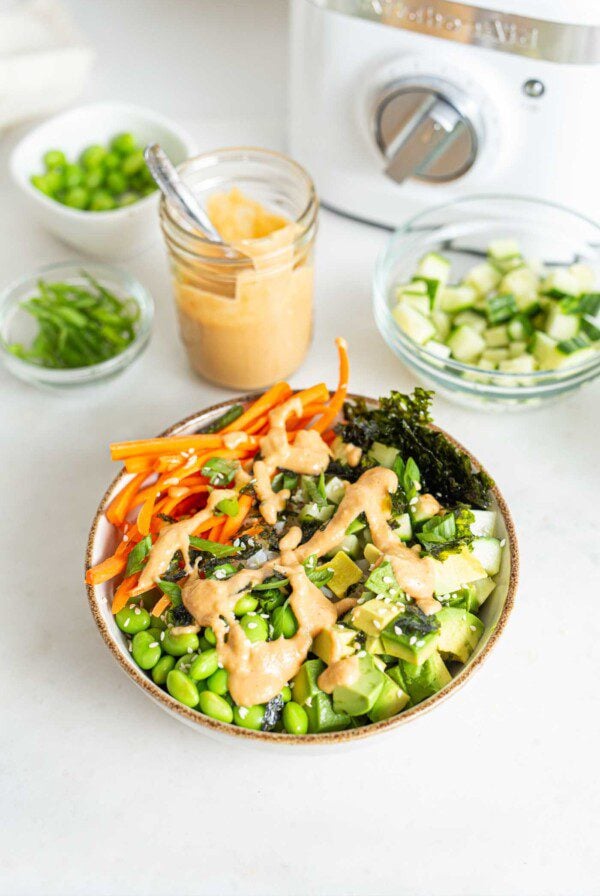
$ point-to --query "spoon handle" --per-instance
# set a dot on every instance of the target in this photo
(177, 192)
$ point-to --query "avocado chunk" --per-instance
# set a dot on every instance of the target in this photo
(383, 581)
(373, 616)
(371, 553)
(374, 646)
(392, 700)
(459, 633)
(333, 644)
(425, 680)
(305, 684)
(359, 697)
(465, 598)
(455, 571)
(345, 573)
(412, 636)
(322, 717)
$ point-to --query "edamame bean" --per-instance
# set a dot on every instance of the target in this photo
(72, 176)
(132, 619)
(249, 716)
(178, 645)
(133, 162)
(145, 650)
(54, 158)
(215, 706)
(116, 182)
(182, 688)
(218, 682)
(101, 201)
(295, 720)
(204, 665)
(128, 198)
(93, 179)
(286, 693)
(184, 662)
(123, 143)
(210, 636)
(93, 156)
(162, 669)
(78, 197)
(111, 161)
(246, 604)
(284, 622)
(255, 627)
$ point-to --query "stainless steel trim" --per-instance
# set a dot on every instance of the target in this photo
(480, 27)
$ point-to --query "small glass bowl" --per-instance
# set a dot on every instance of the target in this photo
(16, 325)
(461, 231)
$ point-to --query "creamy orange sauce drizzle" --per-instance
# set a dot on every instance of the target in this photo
(234, 439)
(176, 537)
(307, 454)
(342, 673)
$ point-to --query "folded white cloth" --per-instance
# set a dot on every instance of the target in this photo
(44, 60)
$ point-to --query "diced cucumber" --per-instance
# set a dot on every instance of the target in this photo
(503, 250)
(482, 589)
(415, 325)
(486, 364)
(441, 322)
(489, 553)
(575, 350)
(437, 348)
(457, 298)
(500, 308)
(483, 278)
(560, 325)
(335, 490)
(591, 330)
(550, 356)
(484, 523)
(561, 282)
(471, 319)
(522, 364)
(495, 355)
(414, 288)
(519, 328)
(316, 513)
(585, 276)
(523, 284)
(402, 527)
(350, 545)
(434, 267)
(496, 337)
(466, 344)
(383, 454)
(419, 302)
(517, 348)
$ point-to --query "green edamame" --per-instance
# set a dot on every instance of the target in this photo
(249, 716)
(132, 619)
(54, 158)
(182, 688)
(286, 693)
(145, 650)
(210, 636)
(215, 706)
(178, 645)
(218, 682)
(295, 720)
(93, 156)
(246, 604)
(162, 669)
(204, 665)
(284, 622)
(184, 662)
(255, 627)
(123, 143)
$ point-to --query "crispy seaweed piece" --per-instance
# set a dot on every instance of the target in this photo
(273, 711)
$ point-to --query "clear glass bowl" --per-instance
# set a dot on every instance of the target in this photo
(16, 325)
(461, 231)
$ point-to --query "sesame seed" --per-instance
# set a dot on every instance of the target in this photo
(251, 613)
(190, 650)
(219, 665)
(126, 623)
(126, 538)
(387, 580)
(162, 636)
(420, 643)
(362, 653)
(130, 647)
(153, 644)
(400, 692)
(137, 611)
(264, 615)
(243, 712)
(397, 630)
(376, 623)
(503, 542)
(309, 701)
(393, 592)
(413, 640)
(252, 625)
(473, 628)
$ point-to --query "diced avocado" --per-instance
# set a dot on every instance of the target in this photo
(305, 685)
(333, 644)
(371, 553)
(349, 545)
(459, 633)
(434, 267)
(382, 581)
(355, 526)
(373, 616)
(465, 597)
(482, 588)
(345, 573)
(402, 526)
(425, 680)
(322, 717)
(374, 646)
(415, 325)
(335, 489)
(466, 344)
(455, 571)
(483, 277)
(415, 648)
(484, 522)
(457, 298)
(383, 454)
(392, 700)
(359, 697)
(489, 553)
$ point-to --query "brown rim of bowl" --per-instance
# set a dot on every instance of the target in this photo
(335, 737)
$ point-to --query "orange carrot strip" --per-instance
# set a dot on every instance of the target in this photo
(120, 504)
(234, 523)
(139, 464)
(171, 503)
(160, 606)
(106, 570)
(215, 532)
(124, 592)
(207, 524)
(268, 400)
(164, 445)
(316, 394)
(339, 396)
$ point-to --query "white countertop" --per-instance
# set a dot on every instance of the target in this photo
(495, 792)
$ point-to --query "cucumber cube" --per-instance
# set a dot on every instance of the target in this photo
(501, 250)
(561, 283)
(585, 276)
(560, 325)
(457, 298)
(521, 364)
(466, 344)
(472, 319)
(483, 278)
(523, 284)
(489, 553)
(419, 302)
(495, 355)
(484, 523)
(441, 322)
(437, 348)
(414, 324)
(402, 527)
(434, 267)
(496, 337)
(517, 348)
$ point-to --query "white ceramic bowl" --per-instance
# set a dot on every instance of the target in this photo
(112, 234)
(103, 541)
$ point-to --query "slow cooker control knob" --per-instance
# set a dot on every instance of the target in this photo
(427, 129)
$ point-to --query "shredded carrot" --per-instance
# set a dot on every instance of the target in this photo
(119, 506)
(106, 570)
(318, 394)
(166, 445)
(173, 501)
(160, 606)
(124, 592)
(270, 399)
(339, 396)
(233, 524)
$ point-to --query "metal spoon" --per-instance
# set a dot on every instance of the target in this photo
(177, 192)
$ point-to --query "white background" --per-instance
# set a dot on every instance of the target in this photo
(496, 792)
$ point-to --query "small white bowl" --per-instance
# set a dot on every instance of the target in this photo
(112, 234)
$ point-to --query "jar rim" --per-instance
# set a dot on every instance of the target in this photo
(191, 241)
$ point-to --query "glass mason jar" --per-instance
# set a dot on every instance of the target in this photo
(245, 312)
